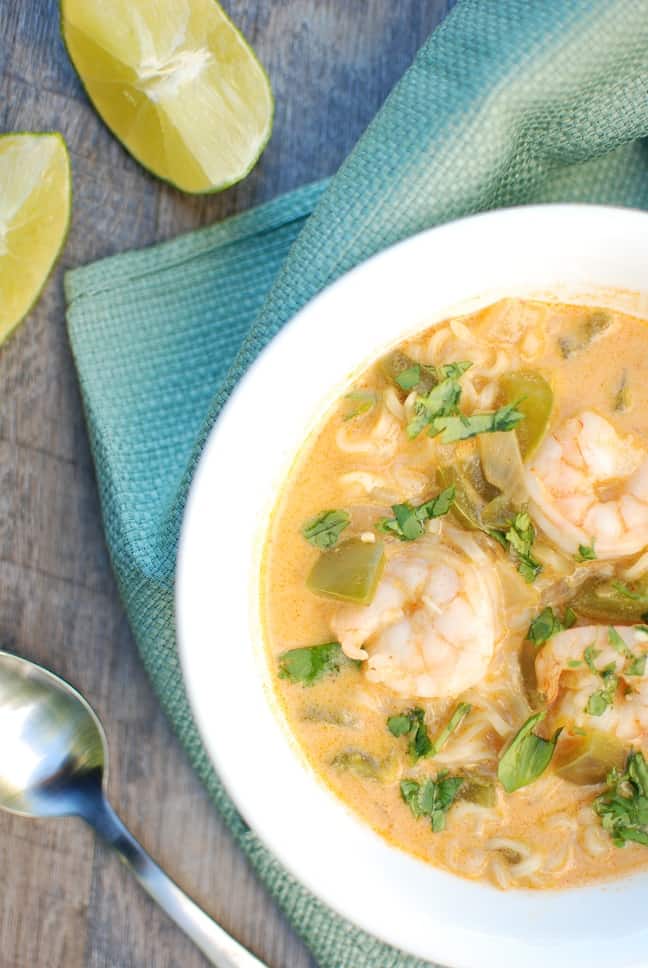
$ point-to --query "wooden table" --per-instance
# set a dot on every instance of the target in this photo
(64, 902)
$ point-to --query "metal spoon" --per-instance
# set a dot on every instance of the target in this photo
(52, 759)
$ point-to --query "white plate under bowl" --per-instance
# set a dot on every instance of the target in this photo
(572, 252)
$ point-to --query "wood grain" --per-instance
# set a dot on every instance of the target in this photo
(65, 902)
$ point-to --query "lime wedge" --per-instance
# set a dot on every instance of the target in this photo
(176, 82)
(35, 196)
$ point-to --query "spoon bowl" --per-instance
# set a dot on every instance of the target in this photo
(52, 742)
(53, 757)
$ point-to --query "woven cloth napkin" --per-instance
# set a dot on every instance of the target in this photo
(508, 102)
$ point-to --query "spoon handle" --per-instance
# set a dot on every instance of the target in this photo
(218, 946)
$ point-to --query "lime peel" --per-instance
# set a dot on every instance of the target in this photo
(177, 84)
(35, 204)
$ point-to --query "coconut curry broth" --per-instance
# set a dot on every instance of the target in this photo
(495, 594)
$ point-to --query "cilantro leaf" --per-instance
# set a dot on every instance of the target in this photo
(547, 623)
(412, 724)
(623, 808)
(442, 400)
(599, 701)
(636, 665)
(617, 642)
(455, 370)
(324, 529)
(586, 552)
(408, 522)
(433, 798)
(526, 757)
(590, 654)
(313, 662)
(461, 427)
(399, 725)
(361, 401)
(518, 541)
(409, 378)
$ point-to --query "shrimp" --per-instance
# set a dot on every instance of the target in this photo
(588, 485)
(432, 627)
(568, 681)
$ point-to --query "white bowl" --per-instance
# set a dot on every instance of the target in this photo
(572, 252)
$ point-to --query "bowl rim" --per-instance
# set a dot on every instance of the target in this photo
(464, 945)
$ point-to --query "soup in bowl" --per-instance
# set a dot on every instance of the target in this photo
(439, 673)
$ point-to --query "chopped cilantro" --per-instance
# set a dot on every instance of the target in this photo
(361, 401)
(599, 701)
(313, 662)
(590, 654)
(636, 665)
(526, 757)
(412, 724)
(408, 522)
(441, 401)
(518, 541)
(586, 552)
(409, 378)
(461, 427)
(438, 409)
(617, 642)
(627, 592)
(324, 529)
(433, 798)
(455, 370)
(547, 623)
(623, 808)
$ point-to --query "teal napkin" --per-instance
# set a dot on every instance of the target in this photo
(509, 102)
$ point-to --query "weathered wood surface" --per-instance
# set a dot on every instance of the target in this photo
(64, 902)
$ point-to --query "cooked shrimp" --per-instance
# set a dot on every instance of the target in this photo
(589, 485)
(570, 687)
(432, 627)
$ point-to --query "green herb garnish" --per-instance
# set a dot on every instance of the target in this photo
(635, 664)
(441, 401)
(547, 623)
(361, 401)
(409, 378)
(324, 529)
(518, 541)
(599, 701)
(408, 522)
(617, 642)
(455, 370)
(527, 756)
(627, 592)
(412, 724)
(586, 552)
(623, 808)
(433, 798)
(461, 427)
(313, 662)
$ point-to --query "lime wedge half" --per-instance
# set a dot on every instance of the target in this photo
(176, 82)
(35, 196)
